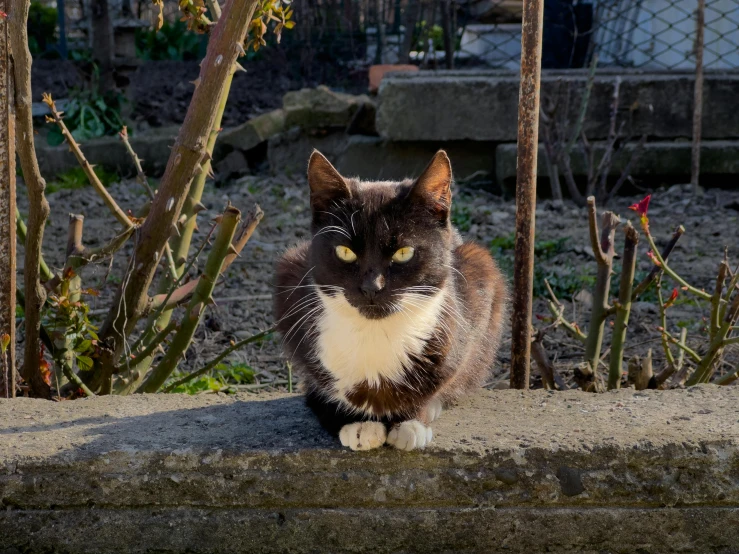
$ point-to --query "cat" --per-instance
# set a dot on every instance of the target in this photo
(386, 314)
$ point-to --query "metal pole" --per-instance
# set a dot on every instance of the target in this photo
(695, 167)
(528, 148)
(7, 209)
(62, 22)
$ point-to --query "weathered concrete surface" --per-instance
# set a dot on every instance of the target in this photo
(664, 159)
(508, 471)
(252, 133)
(482, 105)
(153, 147)
(376, 158)
(320, 108)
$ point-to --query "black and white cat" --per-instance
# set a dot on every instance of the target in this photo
(386, 313)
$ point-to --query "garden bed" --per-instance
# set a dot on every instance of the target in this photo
(243, 301)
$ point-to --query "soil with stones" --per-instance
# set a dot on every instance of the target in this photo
(243, 299)
(160, 91)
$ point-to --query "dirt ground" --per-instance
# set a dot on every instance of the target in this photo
(160, 91)
(243, 300)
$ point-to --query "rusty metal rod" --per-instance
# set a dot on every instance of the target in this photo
(695, 167)
(528, 147)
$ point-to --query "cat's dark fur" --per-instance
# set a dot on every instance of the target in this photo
(381, 345)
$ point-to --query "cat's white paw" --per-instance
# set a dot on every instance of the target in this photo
(433, 410)
(363, 436)
(409, 435)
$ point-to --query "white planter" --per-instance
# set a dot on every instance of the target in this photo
(660, 34)
(498, 45)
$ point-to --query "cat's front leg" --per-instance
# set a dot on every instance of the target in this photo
(416, 433)
(364, 435)
(409, 435)
(352, 428)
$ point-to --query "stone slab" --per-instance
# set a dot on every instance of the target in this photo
(152, 146)
(661, 159)
(483, 105)
(507, 471)
(250, 134)
(379, 159)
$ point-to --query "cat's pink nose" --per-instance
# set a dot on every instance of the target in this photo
(372, 285)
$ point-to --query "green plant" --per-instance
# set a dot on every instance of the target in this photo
(461, 217)
(723, 304)
(218, 379)
(41, 28)
(76, 178)
(130, 336)
(424, 32)
(269, 11)
(90, 114)
(565, 280)
(172, 42)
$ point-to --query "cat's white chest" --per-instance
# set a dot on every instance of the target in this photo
(356, 349)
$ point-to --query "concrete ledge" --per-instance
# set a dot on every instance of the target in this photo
(483, 105)
(508, 471)
(376, 158)
(663, 159)
(153, 147)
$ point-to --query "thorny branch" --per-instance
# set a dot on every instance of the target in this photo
(224, 46)
(56, 117)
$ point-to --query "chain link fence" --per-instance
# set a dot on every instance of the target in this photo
(655, 35)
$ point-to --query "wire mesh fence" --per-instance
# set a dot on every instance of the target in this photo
(645, 34)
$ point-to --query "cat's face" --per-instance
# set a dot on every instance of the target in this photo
(380, 243)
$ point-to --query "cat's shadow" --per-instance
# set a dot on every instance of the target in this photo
(281, 424)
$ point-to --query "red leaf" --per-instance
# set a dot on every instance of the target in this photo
(44, 366)
(3, 14)
(641, 207)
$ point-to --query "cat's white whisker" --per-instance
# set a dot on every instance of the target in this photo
(303, 279)
(333, 229)
(456, 271)
(298, 324)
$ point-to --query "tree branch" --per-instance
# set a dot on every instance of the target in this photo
(182, 293)
(144, 182)
(38, 206)
(225, 44)
(196, 308)
(604, 255)
(79, 256)
(213, 363)
(628, 267)
(56, 117)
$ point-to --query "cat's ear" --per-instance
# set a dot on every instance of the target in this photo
(434, 186)
(326, 184)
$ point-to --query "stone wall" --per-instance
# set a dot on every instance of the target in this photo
(471, 114)
(508, 471)
(483, 106)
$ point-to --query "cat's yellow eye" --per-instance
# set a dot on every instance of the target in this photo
(345, 254)
(404, 254)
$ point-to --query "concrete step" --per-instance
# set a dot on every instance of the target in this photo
(483, 105)
(668, 160)
(508, 471)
